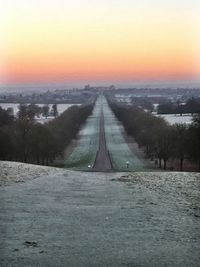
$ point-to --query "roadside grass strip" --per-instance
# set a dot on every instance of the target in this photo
(84, 153)
(123, 159)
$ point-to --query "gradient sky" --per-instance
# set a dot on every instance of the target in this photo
(99, 40)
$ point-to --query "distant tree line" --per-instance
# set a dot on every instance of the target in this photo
(23, 139)
(143, 102)
(192, 106)
(36, 111)
(159, 140)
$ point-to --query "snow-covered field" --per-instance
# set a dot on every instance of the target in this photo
(61, 108)
(13, 106)
(16, 172)
(176, 118)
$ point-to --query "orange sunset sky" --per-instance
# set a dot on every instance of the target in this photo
(99, 40)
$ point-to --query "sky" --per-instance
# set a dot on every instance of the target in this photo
(99, 40)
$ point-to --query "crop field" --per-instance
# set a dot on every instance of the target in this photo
(85, 152)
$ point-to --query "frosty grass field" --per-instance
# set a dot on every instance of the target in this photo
(118, 149)
(85, 152)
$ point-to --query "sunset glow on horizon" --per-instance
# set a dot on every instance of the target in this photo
(91, 40)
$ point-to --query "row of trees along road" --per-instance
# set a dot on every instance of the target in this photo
(22, 139)
(158, 139)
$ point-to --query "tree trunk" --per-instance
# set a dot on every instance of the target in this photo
(160, 163)
(181, 164)
(25, 158)
(165, 164)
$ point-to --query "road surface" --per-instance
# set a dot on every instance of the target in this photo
(102, 161)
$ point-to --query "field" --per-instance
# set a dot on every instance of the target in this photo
(176, 118)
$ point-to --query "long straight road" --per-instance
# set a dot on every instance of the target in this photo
(102, 162)
(102, 145)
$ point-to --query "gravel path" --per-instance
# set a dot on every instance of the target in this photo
(102, 162)
(99, 219)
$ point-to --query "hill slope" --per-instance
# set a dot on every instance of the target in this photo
(66, 218)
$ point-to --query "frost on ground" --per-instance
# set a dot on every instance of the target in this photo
(181, 188)
(84, 153)
(176, 118)
(148, 219)
(15, 172)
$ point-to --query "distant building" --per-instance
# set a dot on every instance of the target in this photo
(87, 87)
(112, 87)
(99, 88)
